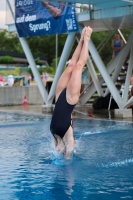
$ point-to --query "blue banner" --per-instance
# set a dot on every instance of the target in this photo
(35, 18)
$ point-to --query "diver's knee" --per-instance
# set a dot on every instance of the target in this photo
(71, 64)
(80, 64)
(72, 98)
(60, 148)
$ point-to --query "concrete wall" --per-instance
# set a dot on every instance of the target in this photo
(15, 95)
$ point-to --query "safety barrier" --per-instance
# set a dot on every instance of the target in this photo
(15, 95)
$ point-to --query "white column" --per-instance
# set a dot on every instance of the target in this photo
(129, 103)
(34, 69)
(94, 77)
(122, 36)
(89, 93)
(104, 73)
(128, 76)
(116, 73)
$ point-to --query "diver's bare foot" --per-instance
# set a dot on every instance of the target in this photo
(87, 34)
(83, 33)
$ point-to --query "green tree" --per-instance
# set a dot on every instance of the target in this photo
(9, 42)
(6, 60)
(45, 45)
(53, 63)
(37, 60)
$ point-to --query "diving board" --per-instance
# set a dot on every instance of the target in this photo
(98, 4)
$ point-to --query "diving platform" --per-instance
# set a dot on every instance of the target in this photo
(102, 19)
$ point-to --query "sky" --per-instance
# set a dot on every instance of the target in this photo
(2, 13)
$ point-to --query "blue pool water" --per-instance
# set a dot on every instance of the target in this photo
(102, 166)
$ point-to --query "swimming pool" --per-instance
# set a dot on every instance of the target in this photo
(102, 167)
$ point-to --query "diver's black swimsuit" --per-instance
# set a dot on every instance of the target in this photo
(61, 119)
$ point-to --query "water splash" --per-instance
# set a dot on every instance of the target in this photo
(59, 159)
(117, 164)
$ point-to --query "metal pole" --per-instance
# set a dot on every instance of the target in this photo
(56, 51)
(103, 71)
(128, 76)
(34, 69)
(10, 8)
(122, 36)
(94, 77)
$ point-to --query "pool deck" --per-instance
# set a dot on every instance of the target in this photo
(79, 112)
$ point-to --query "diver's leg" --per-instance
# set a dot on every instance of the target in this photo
(65, 77)
(69, 143)
(60, 147)
(74, 85)
(73, 91)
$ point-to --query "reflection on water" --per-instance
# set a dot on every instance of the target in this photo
(101, 166)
